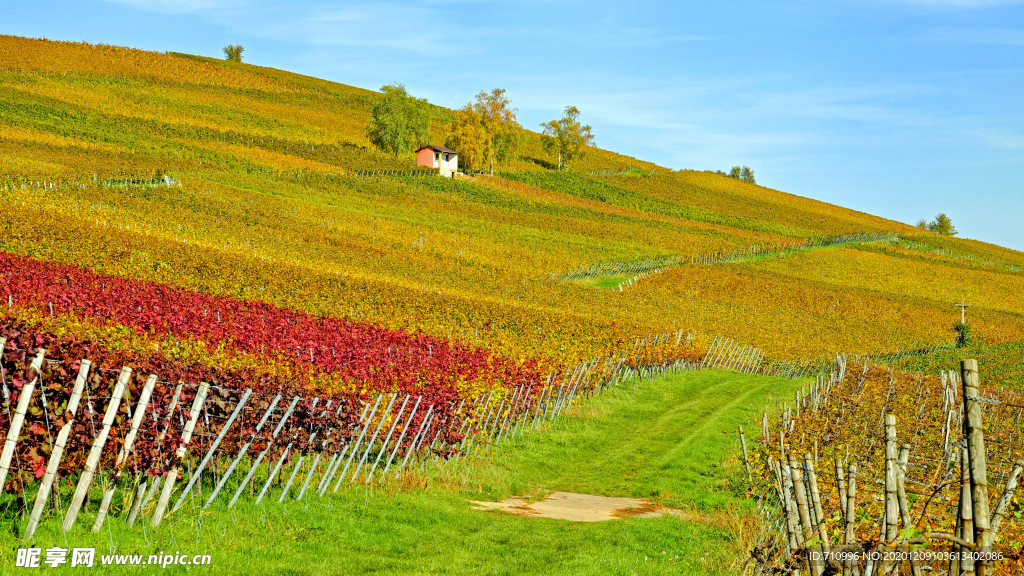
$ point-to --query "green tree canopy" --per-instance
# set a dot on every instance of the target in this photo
(233, 52)
(744, 173)
(943, 225)
(567, 136)
(399, 122)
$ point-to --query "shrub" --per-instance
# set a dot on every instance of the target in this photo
(963, 334)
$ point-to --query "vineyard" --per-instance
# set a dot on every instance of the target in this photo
(214, 289)
(259, 184)
(873, 471)
(72, 413)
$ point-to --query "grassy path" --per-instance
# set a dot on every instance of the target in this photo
(663, 440)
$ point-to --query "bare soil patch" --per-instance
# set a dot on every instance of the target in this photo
(584, 508)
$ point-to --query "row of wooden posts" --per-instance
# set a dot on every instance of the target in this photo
(640, 268)
(791, 504)
(664, 338)
(167, 180)
(634, 279)
(488, 420)
(728, 354)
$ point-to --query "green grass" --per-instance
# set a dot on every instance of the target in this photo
(671, 440)
(604, 282)
(784, 253)
(1000, 363)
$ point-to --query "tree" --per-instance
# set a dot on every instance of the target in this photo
(233, 52)
(399, 122)
(567, 136)
(486, 131)
(743, 173)
(922, 223)
(943, 225)
(498, 117)
(469, 138)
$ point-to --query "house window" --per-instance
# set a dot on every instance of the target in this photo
(447, 157)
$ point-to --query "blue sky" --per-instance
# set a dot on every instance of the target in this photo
(901, 108)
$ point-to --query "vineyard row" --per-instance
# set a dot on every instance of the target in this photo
(73, 422)
(934, 511)
(639, 269)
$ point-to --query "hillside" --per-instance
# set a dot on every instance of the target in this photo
(267, 199)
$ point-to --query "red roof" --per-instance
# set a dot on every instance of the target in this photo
(438, 149)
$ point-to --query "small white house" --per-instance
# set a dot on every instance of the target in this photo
(444, 159)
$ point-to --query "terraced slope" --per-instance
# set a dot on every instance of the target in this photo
(251, 182)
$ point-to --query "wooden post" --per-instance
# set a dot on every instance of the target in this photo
(328, 472)
(512, 419)
(841, 487)
(467, 429)
(782, 482)
(417, 440)
(387, 439)
(714, 353)
(401, 436)
(373, 440)
(851, 503)
(966, 528)
(339, 457)
(746, 460)
(707, 355)
(213, 447)
(800, 491)
(976, 454)
(359, 440)
(186, 436)
(19, 417)
(58, 450)
(524, 414)
(819, 513)
(572, 394)
(256, 464)
(792, 515)
(242, 452)
(126, 449)
(1004, 501)
(284, 455)
(302, 457)
(901, 494)
(851, 511)
(892, 509)
(501, 416)
(141, 501)
(92, 463)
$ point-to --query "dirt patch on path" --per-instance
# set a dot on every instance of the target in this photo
(585, 508)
